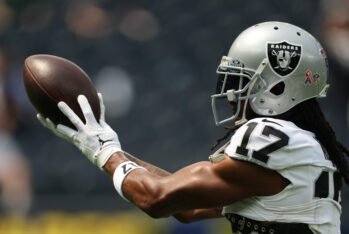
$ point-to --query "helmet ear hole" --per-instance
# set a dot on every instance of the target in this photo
(278, 89)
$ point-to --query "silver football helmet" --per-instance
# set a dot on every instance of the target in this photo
(273, 66)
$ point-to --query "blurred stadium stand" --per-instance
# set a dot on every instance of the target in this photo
(155, 64)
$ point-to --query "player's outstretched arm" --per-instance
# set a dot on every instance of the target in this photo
(191, 193)
(98, 142)
(195, 192)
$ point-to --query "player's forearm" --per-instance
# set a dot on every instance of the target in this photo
(157, 196)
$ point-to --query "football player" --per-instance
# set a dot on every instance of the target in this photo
(281, 170)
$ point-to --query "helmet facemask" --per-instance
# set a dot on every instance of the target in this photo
(236, 85)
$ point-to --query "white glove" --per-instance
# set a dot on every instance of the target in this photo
(97, 141)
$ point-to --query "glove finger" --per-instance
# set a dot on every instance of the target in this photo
(74, 119)
(50, 124)
(102, 107)
(42, 120)
(86, 109)
(66, 132)
(46, 122)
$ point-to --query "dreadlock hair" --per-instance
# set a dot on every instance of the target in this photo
(309, 116)
(229, 131)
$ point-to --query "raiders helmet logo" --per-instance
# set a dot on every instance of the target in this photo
(284, 57)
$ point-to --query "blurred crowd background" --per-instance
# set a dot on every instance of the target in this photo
(154, 62)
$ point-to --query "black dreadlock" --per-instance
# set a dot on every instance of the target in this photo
(309, 116)
(229, 131)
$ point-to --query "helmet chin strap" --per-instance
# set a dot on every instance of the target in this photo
(243, 118)
(258, 73)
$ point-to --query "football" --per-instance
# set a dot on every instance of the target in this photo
(49, 79)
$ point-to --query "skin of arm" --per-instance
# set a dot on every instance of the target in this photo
(185, 216)
(197, 191)
(150, 167)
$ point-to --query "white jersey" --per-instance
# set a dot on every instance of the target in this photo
(313, 195)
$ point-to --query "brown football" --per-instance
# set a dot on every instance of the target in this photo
(50, 79)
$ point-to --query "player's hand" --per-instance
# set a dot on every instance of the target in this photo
(97, 141)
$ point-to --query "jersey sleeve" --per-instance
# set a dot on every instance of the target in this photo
(276, 144)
